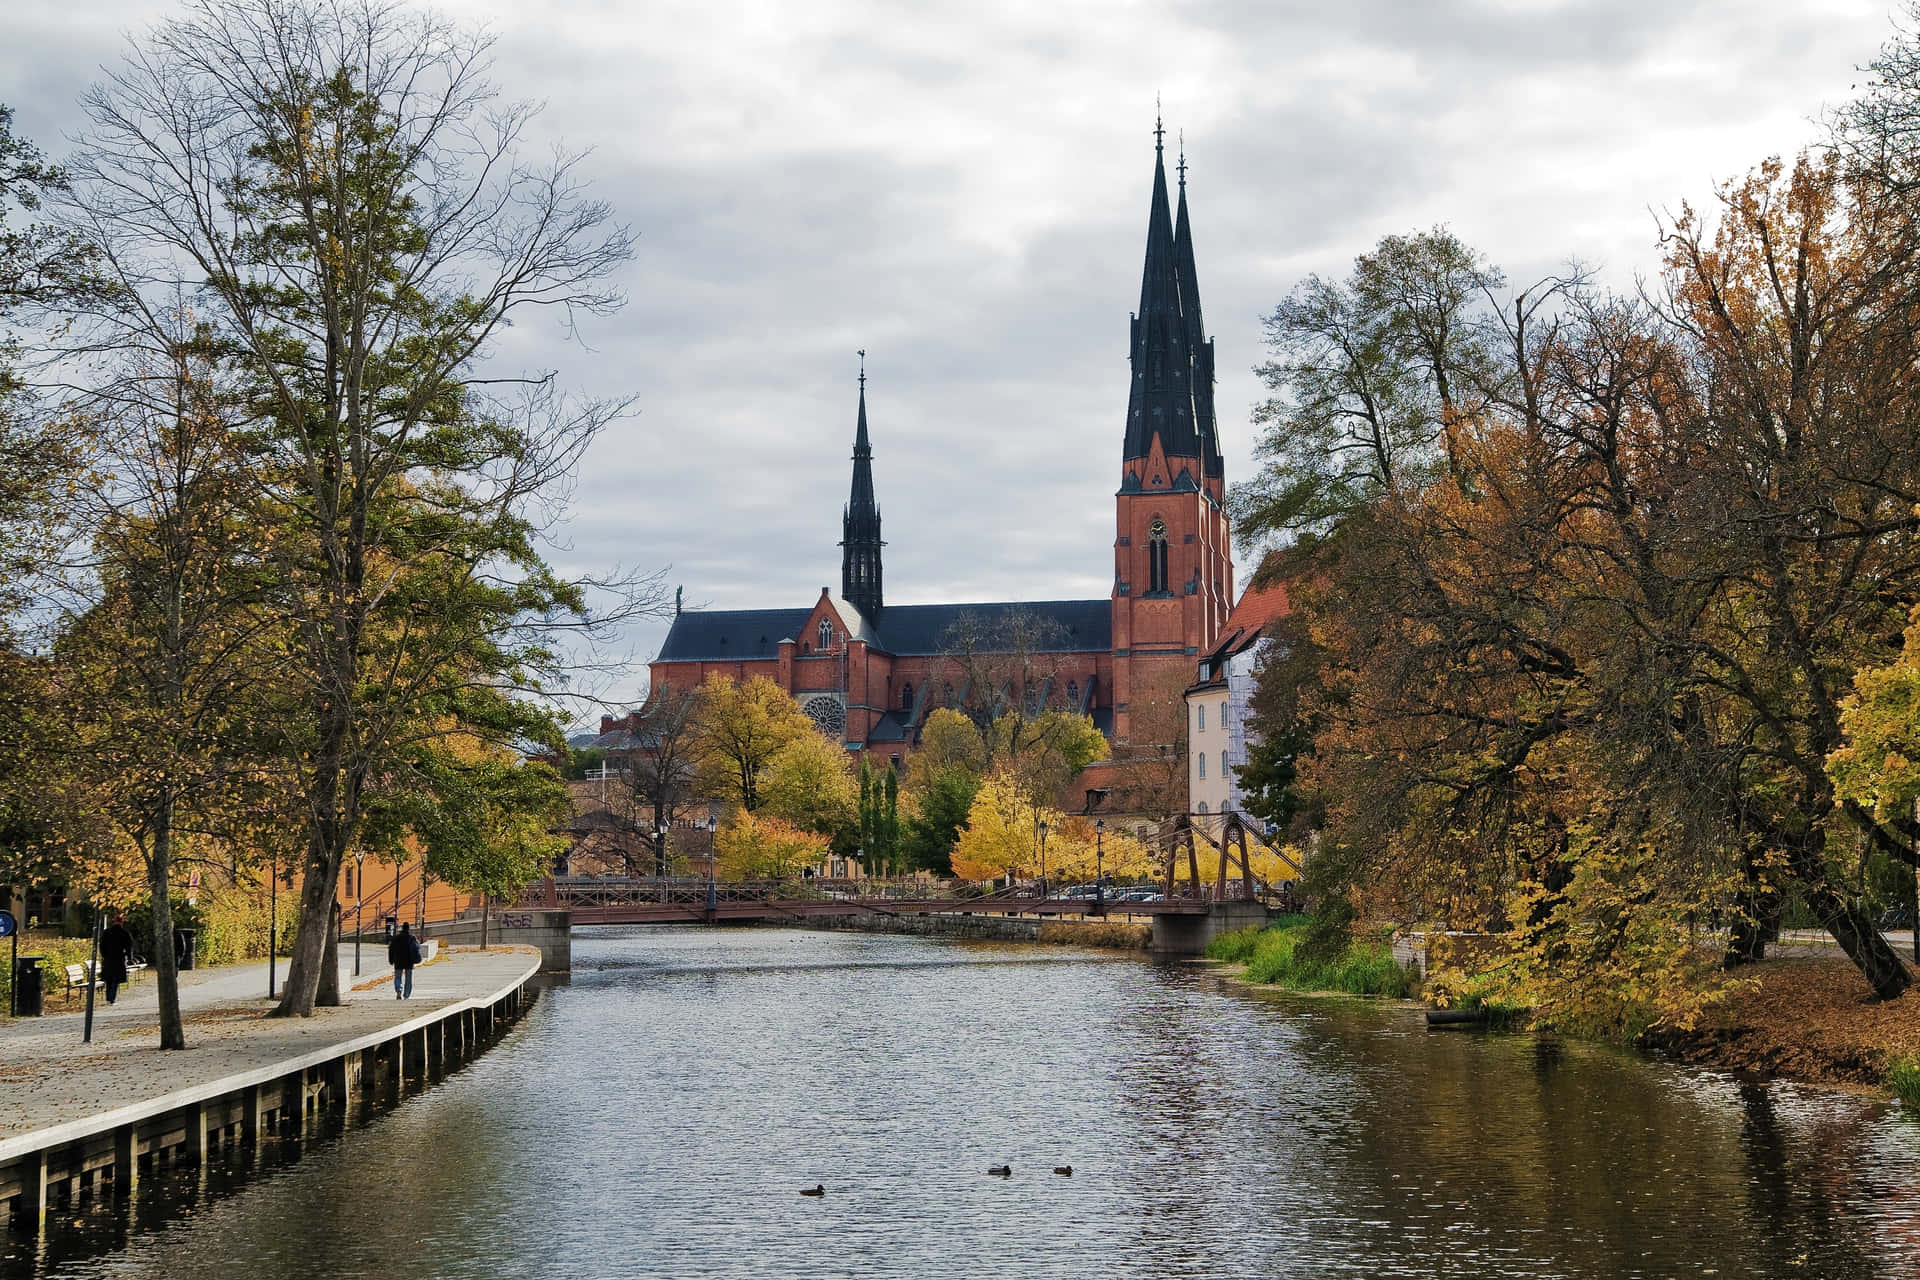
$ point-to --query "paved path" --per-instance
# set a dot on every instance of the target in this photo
(49, 1076)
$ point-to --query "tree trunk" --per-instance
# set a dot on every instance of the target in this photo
(173, 1034)
(327, 994)
(1847, 921)
(310, 950)
(1757, 918)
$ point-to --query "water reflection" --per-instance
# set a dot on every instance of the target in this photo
(656, 1116)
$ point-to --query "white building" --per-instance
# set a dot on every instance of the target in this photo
(1218, 703)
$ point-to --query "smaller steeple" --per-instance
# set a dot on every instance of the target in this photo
(860, 543)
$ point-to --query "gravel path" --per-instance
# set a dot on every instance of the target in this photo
(49, 1076)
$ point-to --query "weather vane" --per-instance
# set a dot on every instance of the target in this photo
(863, 368)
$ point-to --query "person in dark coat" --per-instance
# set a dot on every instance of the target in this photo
(403, 953)
(116, 953)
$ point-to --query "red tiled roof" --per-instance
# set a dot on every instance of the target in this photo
(1259, 607)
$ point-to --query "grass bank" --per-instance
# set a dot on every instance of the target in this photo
(1273, 956)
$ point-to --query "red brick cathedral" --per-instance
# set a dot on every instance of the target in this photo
(874, 671)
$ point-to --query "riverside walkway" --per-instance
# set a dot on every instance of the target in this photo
(50, 1078)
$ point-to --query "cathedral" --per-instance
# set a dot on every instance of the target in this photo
(872, 672)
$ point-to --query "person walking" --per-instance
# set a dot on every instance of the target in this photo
(116, 953)
(403, 953)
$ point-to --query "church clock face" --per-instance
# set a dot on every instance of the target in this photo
(1159, 529)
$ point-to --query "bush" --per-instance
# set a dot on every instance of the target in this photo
(1904, 1079)
(1280, 956)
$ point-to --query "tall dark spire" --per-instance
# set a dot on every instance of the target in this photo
(1161, 402)
(1199, 346)
(860, 523)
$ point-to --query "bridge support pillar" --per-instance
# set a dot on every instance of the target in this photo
(1177, 936)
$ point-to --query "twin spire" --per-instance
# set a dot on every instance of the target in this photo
(1172, 358)
(1171, 397)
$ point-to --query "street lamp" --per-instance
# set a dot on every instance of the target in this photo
(1099, 867)
(359, 897)
(1043, 857)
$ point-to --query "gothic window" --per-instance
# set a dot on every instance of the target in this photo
(906, 696)
(826, 635)
(1203, 808)
(1073, 693)
(1223, 766)
(1200, 718)
(1203, 764)
(1157, 556)
(946, 694)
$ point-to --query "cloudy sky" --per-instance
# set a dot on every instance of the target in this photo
(961, 189)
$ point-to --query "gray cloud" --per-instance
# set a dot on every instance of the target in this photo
(962, 190)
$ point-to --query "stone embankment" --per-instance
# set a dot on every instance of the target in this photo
(85, 1120)
(1123, 934)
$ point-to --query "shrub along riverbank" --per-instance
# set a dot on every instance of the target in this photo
(1289, 954)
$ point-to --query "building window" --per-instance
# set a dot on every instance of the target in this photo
(1203, 764)
(826, 635)
(906, 696)
(1157, 555)
(896, 762)
(946, 694)
(1202, 807)
(1200, 718)
(1223, 765)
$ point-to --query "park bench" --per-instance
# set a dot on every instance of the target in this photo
(77, 979)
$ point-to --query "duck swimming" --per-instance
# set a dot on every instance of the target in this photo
(1001, 1171)
(1065, 1170)
(814, 1191)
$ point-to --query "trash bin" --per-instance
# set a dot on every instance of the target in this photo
(183, 945)
(28, 994)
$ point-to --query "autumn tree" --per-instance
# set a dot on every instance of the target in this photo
(741, 727)
(341, 189)
(1002, 836)
(166, 672)
(758, 846)
(808, 783)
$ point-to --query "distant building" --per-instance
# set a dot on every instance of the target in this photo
(871, 672)
(1218, 703)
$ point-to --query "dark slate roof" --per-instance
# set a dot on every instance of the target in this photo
(906, 630)
(915, 630)
(731, 635)
(888, 728)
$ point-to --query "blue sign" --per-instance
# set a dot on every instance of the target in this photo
(7, 924)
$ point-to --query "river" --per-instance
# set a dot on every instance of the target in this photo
(656, 1116)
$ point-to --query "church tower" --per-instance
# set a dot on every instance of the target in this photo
(1173, 556)
(860, 523)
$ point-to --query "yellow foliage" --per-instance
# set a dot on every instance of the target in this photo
(1002, 834)
(758, 847)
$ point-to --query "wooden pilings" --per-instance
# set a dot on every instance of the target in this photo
(287, 1101)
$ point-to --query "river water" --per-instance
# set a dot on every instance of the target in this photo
(657, 1115)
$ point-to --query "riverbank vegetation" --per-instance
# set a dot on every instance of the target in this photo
(1598, 597)
(1289, 954)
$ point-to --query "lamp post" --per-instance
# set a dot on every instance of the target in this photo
(1099, 867)
(1043, 857)
(273, 921)
(359, 897)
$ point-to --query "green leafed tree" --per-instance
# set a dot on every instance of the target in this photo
(341, 189)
